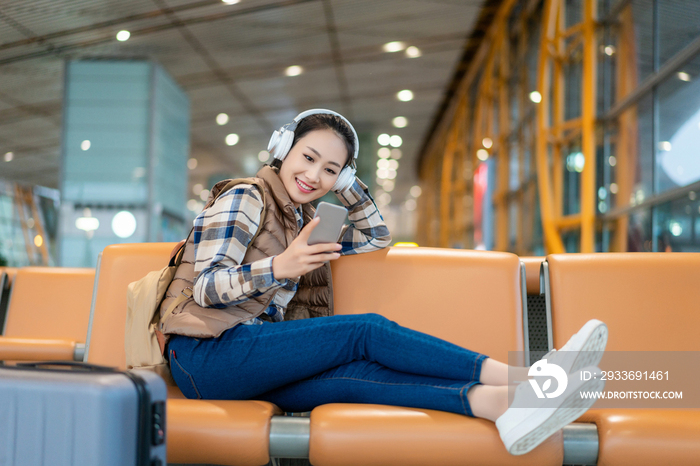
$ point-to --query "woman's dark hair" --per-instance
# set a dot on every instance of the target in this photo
(322, 121)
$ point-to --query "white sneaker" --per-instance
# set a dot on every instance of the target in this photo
(530, 420)
(583, 349)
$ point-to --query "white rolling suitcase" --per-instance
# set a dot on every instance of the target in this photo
(74, 414)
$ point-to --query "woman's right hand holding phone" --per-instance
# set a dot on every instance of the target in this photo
(299, 258)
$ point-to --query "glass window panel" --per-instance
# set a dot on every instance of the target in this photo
(639, 26)
(631, 152)
(532, 54)
(676, 226)
(514, 168)
(574, 12)
(572, 241)
(607, 69)
(573, 86)
(679, 25)
(537, 235)
(639, 231)
(574, 162)
(677, 156)
(512, 223)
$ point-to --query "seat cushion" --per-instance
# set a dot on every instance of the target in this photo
(219, 432)
(374, 435)
(639, 437)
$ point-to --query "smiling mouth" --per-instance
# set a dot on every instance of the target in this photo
(303, 186)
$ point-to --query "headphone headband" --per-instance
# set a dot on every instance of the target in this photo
(322, 111)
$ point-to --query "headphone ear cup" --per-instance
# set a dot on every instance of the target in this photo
(280, 143)
(345, 179)
(284, 144)
(274, 141)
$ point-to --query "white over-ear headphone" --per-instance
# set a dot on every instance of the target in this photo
(281, 143)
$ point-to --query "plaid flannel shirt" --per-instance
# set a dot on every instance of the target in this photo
(223, 232)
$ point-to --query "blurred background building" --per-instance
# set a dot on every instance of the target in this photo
(528, 126)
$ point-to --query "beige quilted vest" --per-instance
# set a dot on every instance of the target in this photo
(314, 296)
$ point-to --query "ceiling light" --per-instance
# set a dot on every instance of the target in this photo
(196, 189)
(383, 163)
(400, 122)
(683, 76)
(382, 173)
(395, 46)
(230, 2)
(389, 185)
(124, 224)
(192, 205)
(405, 95)
(613, 188)
(410, 205)
(87, 223)
(384, 139)
(192, 164)
(536, 97)
(665, 146)
(393, 164)
(294, 70)
(9, 156)
(675, 228)
(609, 50)
(38, 241)
(487, 143)
(232, 139)
(384, 152)
(85, 145)
(416, 191)
(263, 156)
(413, 52)
(396, 154)
(204, 194)
(123, 35)
(221, 119)
(612, 160)
(482, 154)
(395, 141)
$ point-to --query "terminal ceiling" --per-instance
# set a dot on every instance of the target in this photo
(232, 59)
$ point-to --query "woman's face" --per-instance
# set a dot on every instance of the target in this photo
(312, 166)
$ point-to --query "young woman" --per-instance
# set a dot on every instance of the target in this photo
(246, 335)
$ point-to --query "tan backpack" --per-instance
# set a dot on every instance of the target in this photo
(143, 342)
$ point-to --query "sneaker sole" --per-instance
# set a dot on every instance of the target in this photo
(592, 351)
(570, 410)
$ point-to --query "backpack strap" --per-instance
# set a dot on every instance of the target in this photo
(176, 258)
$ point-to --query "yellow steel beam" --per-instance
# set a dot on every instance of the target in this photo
(588, 144)
(446, 188)
(552, 239)
(628, 125)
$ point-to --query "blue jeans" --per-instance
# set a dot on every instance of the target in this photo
(301, 364)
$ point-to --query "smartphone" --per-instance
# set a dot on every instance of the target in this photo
(332, 220)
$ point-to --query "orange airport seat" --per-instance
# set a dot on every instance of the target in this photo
(470, 298)
(532, 273)
(48, 313)
(199, 431)
(650, 303)
(7, 274)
